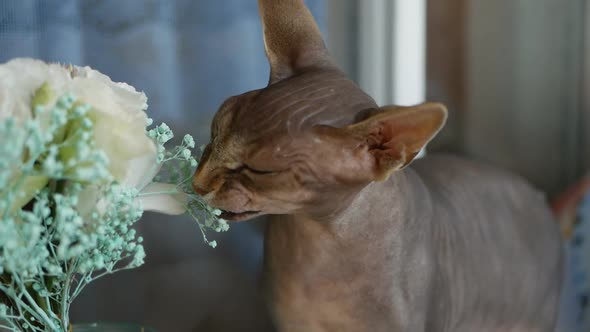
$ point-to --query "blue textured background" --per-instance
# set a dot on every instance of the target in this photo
(188, 56)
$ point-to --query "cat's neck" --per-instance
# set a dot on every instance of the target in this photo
(379, 214)
(389, 202)
(318, 265)
(369, 215)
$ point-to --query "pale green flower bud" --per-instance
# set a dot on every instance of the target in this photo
(186, 154)
(189, 141)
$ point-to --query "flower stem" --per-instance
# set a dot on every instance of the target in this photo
(33, 304)
(64, 300)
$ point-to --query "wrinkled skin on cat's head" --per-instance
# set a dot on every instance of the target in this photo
(309, 141)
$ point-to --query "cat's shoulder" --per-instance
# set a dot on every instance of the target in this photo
(450, 171)
(449, 164)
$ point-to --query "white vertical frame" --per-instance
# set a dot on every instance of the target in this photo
(392, 46)
(409, 52)
(374, 50)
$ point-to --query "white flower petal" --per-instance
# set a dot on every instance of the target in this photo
(127, 95)
(89, 200)
(163, 198)
(141, 171)
(21, 77)
(123, 100)
(123, 142)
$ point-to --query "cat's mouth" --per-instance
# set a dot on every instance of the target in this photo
(239, 216)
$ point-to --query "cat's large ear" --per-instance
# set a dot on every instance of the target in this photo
(392, 136)
(292, 39)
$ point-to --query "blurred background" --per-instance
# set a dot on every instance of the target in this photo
(515, 75)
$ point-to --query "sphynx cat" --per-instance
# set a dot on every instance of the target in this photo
(359, 239)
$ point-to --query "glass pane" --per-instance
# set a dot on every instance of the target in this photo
(188, 56)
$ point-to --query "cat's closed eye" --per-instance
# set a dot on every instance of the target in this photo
(245, 167)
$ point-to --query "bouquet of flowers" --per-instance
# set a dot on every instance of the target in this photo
(78, 160)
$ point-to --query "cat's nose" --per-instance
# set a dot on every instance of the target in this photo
(198, 188)
(200, 177)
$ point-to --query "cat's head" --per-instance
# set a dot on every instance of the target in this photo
(310, 140)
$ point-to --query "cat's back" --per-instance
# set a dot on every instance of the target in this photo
(471, 185)
(495, 238)
(458, 172)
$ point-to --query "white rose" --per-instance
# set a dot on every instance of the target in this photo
(119, 129)
(119, 121)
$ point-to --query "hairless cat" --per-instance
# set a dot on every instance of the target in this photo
(359, 239)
